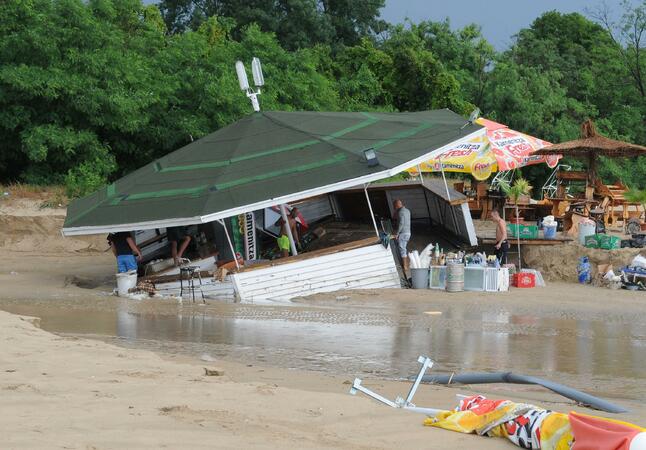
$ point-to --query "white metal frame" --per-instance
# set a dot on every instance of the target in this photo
(552, 183)
(401, 403)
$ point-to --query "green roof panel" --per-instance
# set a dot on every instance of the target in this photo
(264, 158)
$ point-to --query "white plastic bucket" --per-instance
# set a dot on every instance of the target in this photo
(585, 230)
(549, 231)
(125, 282)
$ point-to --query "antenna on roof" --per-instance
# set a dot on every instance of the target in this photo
(258, 81)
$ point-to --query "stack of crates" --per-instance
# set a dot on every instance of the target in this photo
(522, 231)
(603, 241)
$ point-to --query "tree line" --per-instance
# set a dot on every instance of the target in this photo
(90, 90)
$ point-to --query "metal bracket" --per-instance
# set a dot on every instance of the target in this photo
(400, 402)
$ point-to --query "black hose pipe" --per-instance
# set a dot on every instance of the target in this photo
(509, 377)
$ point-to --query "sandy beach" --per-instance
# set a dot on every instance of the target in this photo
(96, 371)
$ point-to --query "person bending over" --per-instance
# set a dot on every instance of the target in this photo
(179, 238)
(124, 248)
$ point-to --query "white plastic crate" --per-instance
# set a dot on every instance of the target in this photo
(491, 279)
(437, 278)
(474, 278)
(503, 279)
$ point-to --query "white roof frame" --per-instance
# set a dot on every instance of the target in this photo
(164, 223)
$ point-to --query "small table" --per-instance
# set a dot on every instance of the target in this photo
(187, 273)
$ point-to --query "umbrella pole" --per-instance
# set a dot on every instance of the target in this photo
(446, 186)
(592, 177)
(520, 256)
(372, 215)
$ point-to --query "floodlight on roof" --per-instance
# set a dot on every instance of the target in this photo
(371, 157)
(242, 76)
(258, 79)
(256, 70)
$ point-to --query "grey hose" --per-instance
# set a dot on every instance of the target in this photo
(509, 377)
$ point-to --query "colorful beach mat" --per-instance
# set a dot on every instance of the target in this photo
(531, 427)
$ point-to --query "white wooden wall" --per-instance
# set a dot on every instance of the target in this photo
(456, 219)
(314, 209)
(363, 268)
(212, 289)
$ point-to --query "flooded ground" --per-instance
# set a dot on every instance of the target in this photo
(601, 350)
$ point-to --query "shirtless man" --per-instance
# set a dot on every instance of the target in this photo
(502, 246)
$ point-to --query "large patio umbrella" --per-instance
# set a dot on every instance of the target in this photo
(590, 146)
(500, 149)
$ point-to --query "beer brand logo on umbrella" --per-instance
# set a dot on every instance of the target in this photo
(481, 168)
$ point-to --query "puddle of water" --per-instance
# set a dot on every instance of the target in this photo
(606, 357)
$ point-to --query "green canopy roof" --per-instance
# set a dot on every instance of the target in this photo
(263, 160)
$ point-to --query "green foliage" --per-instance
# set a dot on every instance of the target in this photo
(519, 188)
(296, 23)
(92, 89)
(637, 196)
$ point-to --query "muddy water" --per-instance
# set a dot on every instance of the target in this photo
(603, 354)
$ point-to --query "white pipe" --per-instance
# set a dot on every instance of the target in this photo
(233, 250)
(419, 170)
(292, 244)
(372, 215)
(446, 186)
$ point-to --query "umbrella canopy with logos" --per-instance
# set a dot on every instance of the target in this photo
(500, 149)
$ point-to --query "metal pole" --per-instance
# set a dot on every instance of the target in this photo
(356, 386)
(292, 244)
(446, 186)
(233, 250)
(419, 170)
(372, 215)
(426, 363)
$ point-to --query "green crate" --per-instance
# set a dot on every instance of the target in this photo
(522, 231)
(592, 241)
(607, 242)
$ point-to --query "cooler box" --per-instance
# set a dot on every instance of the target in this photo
(524, 280)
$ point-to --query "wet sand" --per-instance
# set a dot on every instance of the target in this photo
(287, 366)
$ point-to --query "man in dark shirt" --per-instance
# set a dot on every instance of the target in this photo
(124, 248)
(179, 238)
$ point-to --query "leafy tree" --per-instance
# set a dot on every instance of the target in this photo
(419, 80)
(296, 23)
(92, 89)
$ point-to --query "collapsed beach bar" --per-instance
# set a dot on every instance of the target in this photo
(235, 183)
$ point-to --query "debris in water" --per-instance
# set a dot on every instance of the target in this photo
(207, 357)
(433, 313)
